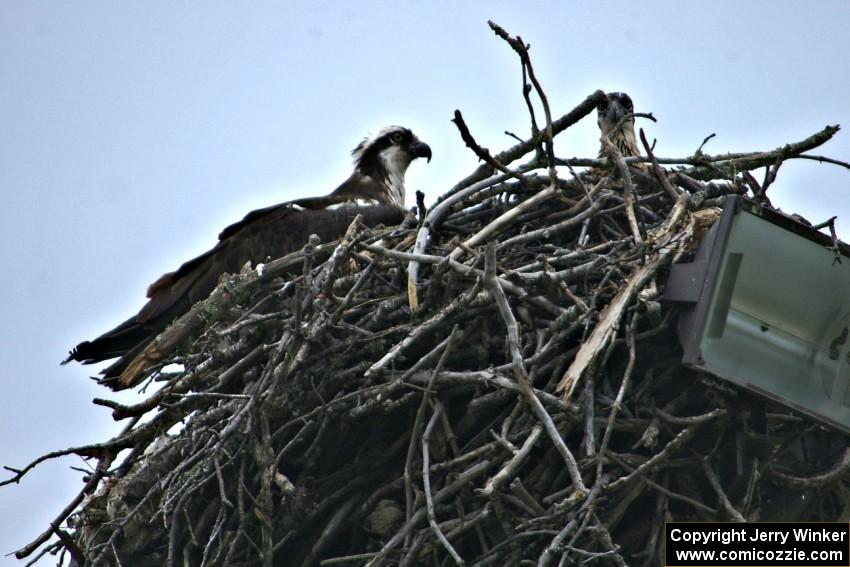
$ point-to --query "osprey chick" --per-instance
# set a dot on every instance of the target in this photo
(613, 115)
(375, 189)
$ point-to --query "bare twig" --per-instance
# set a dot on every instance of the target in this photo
(295, 429)
(718, 489)
(482, 153)
(510, 468)
(426, 482)
(628, 189)
(492, 283)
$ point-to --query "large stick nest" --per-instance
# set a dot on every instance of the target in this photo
(532, 410)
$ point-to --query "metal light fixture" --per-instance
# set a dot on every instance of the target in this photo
(767, 307)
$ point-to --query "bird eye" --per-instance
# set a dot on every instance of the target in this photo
(396, 137)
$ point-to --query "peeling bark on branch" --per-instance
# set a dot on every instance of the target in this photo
(409, 396)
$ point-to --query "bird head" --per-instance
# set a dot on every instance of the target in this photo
(386, 155)
(612, 109)
(615, 120)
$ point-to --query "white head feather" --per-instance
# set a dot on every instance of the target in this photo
(394, 158)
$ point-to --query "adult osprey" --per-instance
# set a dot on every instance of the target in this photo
(615, 118)
(375, 189)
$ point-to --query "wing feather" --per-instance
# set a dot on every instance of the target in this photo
(261, 235)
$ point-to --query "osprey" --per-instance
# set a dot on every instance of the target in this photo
(615, 120)
(375, 189)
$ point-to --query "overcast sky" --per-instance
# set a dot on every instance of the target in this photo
(131, 133)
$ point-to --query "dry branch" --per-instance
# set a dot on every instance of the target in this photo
(410, 396)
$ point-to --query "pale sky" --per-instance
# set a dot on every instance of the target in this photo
(131, 133)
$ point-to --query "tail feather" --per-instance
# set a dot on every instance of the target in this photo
(124, 341)
(110, 344)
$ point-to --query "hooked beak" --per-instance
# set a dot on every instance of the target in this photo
(615, 111)
(420, 149)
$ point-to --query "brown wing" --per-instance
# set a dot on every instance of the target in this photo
(356, 186)
(262, 235)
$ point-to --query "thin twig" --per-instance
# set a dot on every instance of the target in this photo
(520, 374)
(426, 485)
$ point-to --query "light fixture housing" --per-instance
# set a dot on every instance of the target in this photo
(766, 306)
